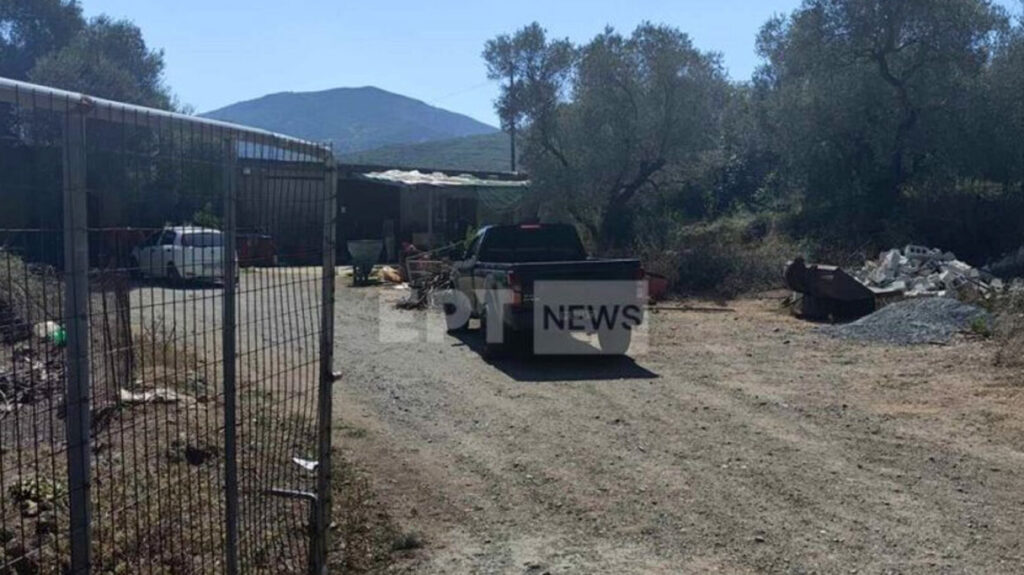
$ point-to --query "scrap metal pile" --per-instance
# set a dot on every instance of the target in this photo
(830, 292)
(427, 273)
(919, 271)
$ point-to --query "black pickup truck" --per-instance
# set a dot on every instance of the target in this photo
(504, 268)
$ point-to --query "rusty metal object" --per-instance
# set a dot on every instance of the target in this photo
(828, 291)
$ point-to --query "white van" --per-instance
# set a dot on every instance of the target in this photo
(182, 253)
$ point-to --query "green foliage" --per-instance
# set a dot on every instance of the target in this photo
(981, 326)
(207, 218)
(870, 124)
(975, 219)
(109, 59)
(608, 121)
(727, 257)
(536, 70)
(873, 95)
(30, 29)
(49, 42)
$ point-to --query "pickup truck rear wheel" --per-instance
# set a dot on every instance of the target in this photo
(454, 321)
(615, 341)
(493, 349)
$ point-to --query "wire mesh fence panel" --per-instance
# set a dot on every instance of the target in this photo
(161, 296)
(280, 217)
(156, 360)
(34, 516)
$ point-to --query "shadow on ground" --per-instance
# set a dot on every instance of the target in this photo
(579, 364)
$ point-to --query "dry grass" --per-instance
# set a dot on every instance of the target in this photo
(157, 474)
(33, 494)
(29, 293)
(1009, 330)
(158, 467)
(363, 536)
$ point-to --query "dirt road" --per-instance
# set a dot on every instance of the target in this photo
(742, 442)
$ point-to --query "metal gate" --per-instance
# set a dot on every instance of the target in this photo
(166, 329)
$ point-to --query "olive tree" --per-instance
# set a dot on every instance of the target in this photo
(870, 96)
(604, 126)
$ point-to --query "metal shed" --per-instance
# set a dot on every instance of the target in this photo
(428, 208)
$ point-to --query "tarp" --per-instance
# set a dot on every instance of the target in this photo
(440, 179)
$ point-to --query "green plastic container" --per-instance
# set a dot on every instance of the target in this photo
(59, 337)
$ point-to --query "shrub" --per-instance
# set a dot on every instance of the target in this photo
(979, 221)
(725, 258)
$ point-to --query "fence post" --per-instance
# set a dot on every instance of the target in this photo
(325, 399)
(76, 310)
(228, 345)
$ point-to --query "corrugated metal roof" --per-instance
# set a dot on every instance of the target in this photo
(440, 179)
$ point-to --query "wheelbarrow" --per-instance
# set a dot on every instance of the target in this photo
(365, 254)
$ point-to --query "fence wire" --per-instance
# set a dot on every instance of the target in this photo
(163, 365)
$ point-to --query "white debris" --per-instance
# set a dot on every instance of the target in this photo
(307, 464)
(159, 395)
(46, 329)
(921, 271)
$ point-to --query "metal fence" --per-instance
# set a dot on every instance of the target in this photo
(164, 404)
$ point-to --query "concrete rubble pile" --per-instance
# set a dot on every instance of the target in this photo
(919, 271)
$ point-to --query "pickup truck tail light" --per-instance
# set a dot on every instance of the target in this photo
(641, 285)
(516, 285)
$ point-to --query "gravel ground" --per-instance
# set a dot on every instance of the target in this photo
(742, 442)
(913, 321)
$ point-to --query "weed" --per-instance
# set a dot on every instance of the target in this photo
(981, 326)
(407, 541)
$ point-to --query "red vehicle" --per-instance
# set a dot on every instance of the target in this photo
(256, 250)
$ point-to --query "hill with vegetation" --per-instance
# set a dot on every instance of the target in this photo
(352, 119)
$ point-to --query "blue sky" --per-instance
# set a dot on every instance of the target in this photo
(222, 51)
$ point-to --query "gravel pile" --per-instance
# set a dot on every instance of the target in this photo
(913, 321)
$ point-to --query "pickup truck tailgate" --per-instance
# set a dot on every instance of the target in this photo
(587, 270)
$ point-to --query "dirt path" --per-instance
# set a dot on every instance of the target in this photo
(742, 442)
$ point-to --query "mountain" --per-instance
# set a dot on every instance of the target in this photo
(486, 153)
(352, 119)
